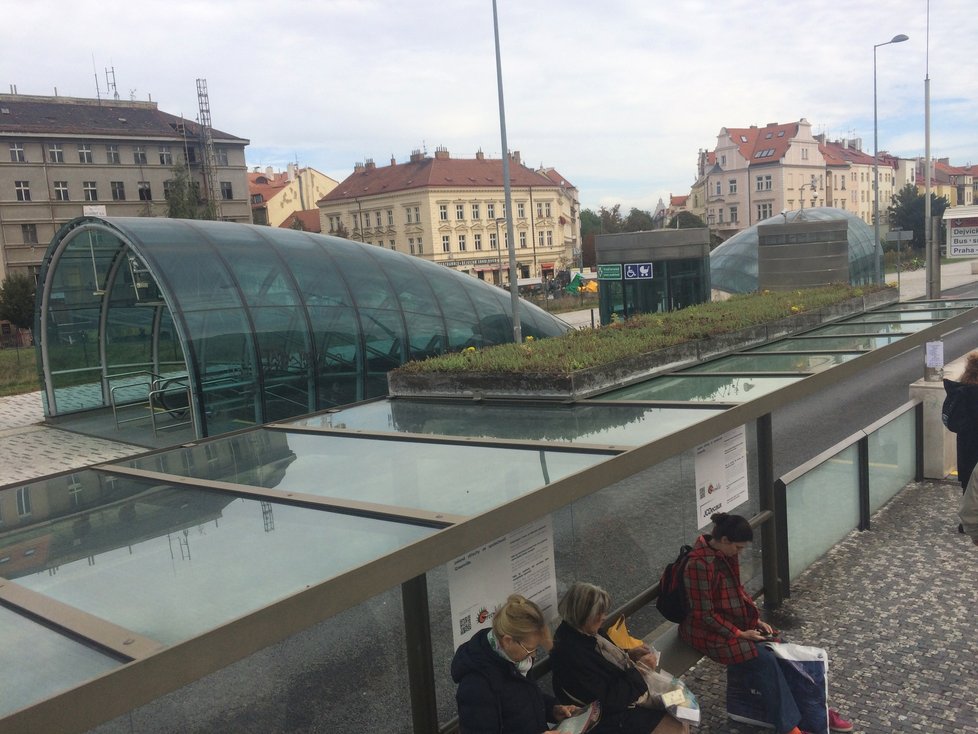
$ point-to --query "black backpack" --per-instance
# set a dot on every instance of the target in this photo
(671, 602)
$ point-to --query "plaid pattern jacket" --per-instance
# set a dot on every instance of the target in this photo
(718, 606)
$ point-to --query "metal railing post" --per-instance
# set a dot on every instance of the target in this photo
(919, 441)
(862, 466)
(420, 666)
(768, 501)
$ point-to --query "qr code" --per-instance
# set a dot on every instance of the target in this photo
(465, 624)
(702, 492)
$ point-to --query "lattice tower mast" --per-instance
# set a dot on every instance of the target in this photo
(207, 143)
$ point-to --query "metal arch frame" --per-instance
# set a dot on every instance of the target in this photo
(147, 678)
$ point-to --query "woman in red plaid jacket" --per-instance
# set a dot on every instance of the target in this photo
(724, 624)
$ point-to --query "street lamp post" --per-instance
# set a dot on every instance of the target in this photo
(499, 252)
(877, 245)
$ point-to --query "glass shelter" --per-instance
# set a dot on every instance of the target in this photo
(217, 325)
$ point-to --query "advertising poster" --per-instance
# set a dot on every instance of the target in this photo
(962, 237)
(521, 562)
(721, 475)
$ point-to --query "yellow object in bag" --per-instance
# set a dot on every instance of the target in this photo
(618, 633)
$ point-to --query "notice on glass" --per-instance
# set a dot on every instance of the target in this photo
(934, 355)
(521, 562)
(721, 475)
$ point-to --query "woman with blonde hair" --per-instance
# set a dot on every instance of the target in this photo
(494, 695)
(587, 667)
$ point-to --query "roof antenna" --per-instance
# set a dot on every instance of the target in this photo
(98, 92)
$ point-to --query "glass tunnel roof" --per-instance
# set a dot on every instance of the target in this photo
(733, 264)
(173, 544)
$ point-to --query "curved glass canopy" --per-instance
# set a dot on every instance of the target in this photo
(223, 325)
(733, 265)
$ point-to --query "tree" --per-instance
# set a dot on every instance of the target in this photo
(17, 300)
(183, 199)
(638, 221)
(590, 222)
(907, 212)
(686, 220)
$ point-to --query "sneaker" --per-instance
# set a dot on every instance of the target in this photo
(837, 723)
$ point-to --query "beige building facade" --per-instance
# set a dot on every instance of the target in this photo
(61, 157)
(276, 196)
(451, 211)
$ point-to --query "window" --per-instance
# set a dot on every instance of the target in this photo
(523, 239)
(145, 192)
(446, 245)
(546, 208)
(393, 245)
(139, 155)
(539, 210)
(420, 247)
(550, 238)
(521, 210)
(390, 217)
(443, 213)
(17, 153)
(112, 154)
(167, 188)
(166, 157)
(733, 215)
(460, 211)
(461, 243)
(23, 189)
(411, 245)
(191, 154)
(723, 158)
(732, 186)
(377, 218)
(24, 501)
(764, 211)
(475, 211)
(84, 153)
(540, 238)
(491, 210)
(477, 238)
(227, 192)
(764, 183)
(61, 191)
(719, 192)
(221, 154)
(55, 153)
(118, 190)
(804, 154)
(89, 191)
(28, 233)
(492, 241)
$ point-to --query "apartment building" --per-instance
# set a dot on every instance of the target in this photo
(277, 195)
(61, 157)
(451, 211)
(958, 183)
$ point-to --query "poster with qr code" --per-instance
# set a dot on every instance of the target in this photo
(721, 474)
(521, 562)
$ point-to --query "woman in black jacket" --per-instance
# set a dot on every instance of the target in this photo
(960, 415)
(494, 695)
(587, 666)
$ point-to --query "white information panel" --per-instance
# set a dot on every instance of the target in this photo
(721, 474)
(962, 237)
(521, 562)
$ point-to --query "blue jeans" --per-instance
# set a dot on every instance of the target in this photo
(764, 674)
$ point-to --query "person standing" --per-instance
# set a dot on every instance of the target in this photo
(960, 415)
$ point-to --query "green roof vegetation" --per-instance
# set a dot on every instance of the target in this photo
(586, 348)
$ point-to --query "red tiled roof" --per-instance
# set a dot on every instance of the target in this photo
(556, 178)
(837, 154)
(268, 185)
(69, 115)
(678, 200)
(309, 218)
(437, 172)
(753, 140)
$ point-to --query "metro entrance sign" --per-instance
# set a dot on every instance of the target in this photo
(609, 272)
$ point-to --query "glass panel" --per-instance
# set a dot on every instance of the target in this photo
(773, 363)
(426, 335)
(338, 354)
(892, 459)
(225, 355)
(286, 361)
(705, 388)
(820, 344)
(934, 315)
(259, 272)
(172, 563)
(855, 327)
(464, 480)
(384, 342)
(320, 282)
(613, 425)
(368, 284)
(963, 303)
(823, 506)
(413, 291)
(38, 662)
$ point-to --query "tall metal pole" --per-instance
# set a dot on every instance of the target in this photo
(513, 285)
(931, 254)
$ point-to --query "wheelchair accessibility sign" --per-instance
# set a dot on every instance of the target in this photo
(638, 271)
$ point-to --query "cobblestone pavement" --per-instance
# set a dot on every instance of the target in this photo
(29, 450)
(895, 608)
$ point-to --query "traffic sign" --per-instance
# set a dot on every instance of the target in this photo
(899, 234)
(638, 271)
(609, 272)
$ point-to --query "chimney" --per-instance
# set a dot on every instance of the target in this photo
(479, 155)
(416, 155)
(269, 171)
(291, 168)
(357, 167)
(441, 153)
(515, 155)
(393, 161)
(370, 164)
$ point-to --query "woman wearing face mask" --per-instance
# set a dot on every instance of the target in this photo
(725, 625)
(493, 695)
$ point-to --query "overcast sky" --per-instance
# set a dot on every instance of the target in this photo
(617, 95)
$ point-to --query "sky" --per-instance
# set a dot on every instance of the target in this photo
(618, 96)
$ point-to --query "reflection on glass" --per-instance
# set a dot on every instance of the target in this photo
(870, 327)
(464, 480)
(773, 363)
(594, 424)
(45, 662)
(701, 388)
(892, 459)
(930, 315)
(819, 344)
(170, 563)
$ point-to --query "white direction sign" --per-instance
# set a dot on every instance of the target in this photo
(962, 237)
